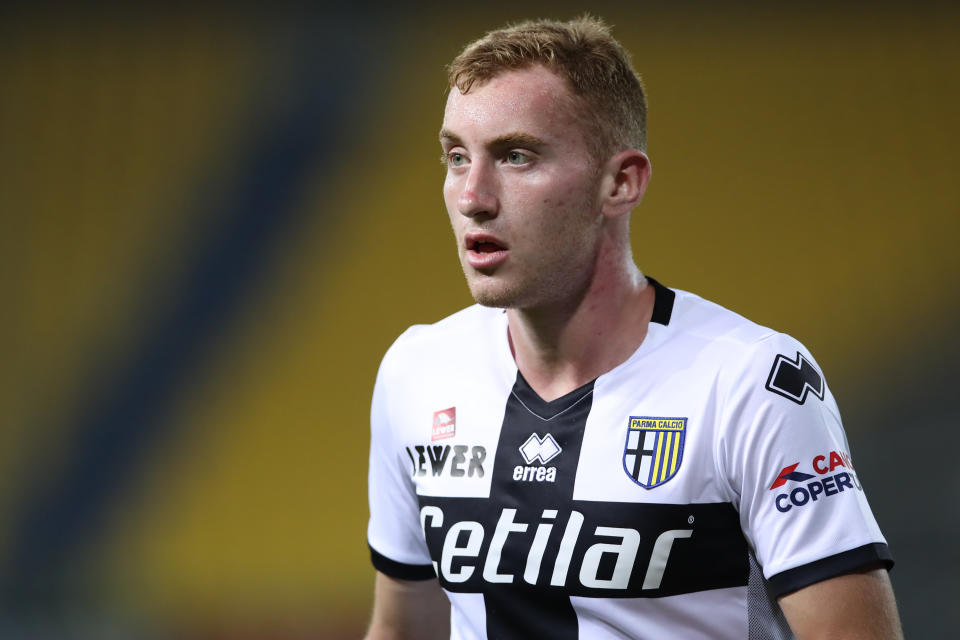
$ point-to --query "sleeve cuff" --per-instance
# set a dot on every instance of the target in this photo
(830, 567)
(399, 570)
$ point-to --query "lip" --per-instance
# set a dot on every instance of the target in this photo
(484, 259)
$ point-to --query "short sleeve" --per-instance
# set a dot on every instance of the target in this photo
(785, 456)
(397, 545)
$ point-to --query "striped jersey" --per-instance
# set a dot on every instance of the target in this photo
(675, 496)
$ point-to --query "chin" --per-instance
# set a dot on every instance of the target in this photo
(489, 299)
(493, 296)
(490, 292)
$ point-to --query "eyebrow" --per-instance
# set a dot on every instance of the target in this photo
(505, 141)
(515, 139)
(448, 136)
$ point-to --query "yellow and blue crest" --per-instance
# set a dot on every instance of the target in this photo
(654, 449)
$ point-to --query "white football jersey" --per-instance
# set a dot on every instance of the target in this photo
(676, 496)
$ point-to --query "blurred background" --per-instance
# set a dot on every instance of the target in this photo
(214, 221)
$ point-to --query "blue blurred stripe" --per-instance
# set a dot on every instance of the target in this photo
(307, 104)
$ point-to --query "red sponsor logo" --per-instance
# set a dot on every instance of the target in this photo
(822, 464)
(444, 424)
(827, 463)
(790, 473)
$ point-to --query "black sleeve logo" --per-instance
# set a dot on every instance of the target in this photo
(792, 379)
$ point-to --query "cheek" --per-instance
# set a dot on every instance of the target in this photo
(450, 196)
(560, 188)
(563, 198)
(451, 193)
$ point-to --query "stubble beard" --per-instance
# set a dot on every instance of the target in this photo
(540, 286)
(486, 291)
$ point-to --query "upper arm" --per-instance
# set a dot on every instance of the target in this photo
(393, 531)
(408, 600)
(801, 503)
(409, 609)
(854, 605)
(785, 456)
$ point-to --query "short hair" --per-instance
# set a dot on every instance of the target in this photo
(596, 68)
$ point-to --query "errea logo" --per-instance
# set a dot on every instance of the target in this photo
(545, 449)
(536, 449)
(795, 379)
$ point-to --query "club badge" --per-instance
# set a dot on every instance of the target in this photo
(654, 449)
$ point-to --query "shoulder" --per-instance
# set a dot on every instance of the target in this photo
(446, 340)
(473, 323)
(435, 366)
(743, 351)
(701, 318)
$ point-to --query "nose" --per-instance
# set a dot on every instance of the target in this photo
(478, 197)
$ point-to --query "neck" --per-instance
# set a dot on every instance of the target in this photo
(561, 347)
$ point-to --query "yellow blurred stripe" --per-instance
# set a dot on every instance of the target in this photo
(104, 132)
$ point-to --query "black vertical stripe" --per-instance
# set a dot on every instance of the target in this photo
(521, 610)
(662, 303)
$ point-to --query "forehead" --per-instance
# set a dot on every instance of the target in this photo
(532, 100)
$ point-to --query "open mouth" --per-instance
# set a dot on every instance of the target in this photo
(484, 251)
(485, 246)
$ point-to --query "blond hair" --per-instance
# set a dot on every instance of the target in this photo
(595, 66)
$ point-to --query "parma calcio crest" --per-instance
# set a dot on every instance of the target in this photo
(654, 449)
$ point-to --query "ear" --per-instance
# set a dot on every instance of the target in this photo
(624, 182)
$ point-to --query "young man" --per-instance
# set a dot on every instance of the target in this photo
(587, 453)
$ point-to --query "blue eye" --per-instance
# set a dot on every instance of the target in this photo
(456, 159)
(517, 158)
